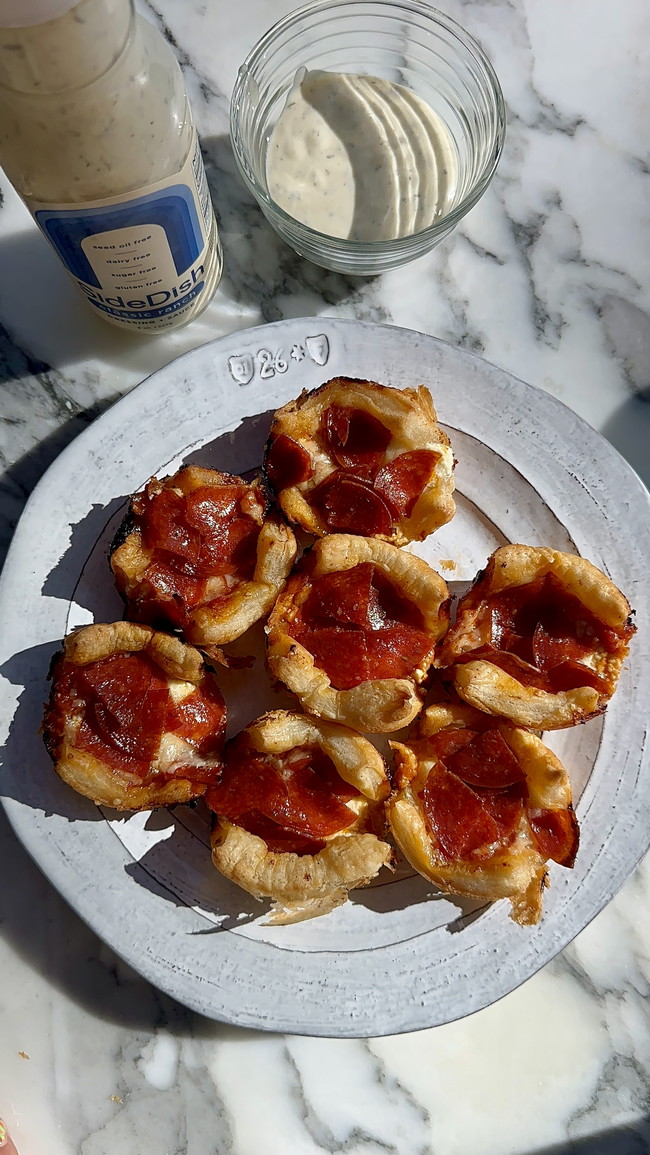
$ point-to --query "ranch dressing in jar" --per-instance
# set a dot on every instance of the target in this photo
(97, 137)
(360, 157)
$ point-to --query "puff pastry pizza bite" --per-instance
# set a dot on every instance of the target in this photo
(480, 807)
(298, 814)
(358, 457)
(540, 638)
(354, 631)
(134, 720)
(200, 553)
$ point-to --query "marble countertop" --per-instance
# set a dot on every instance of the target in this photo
(549, 277)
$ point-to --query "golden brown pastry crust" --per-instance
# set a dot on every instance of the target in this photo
(104, 784)
(518, 871)
(408, 414)
(482, 684)
(248, 601)
(305, 886)
(377, 706)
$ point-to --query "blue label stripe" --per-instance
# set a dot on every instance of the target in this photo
(173, 208)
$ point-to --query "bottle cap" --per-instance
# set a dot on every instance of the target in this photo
(21, 13)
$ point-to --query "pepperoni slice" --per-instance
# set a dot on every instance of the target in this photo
(279, 841)
(554, 642)
(486, 762)
(342, 654)
(551, 631)
(360, 596)
(402, 480)
(200, 719)
(210, 532)
(198, 773)
(209, 506)
(126, 710)
(506, 807)
(347, 504)
(517, 668)
(455, 815)
(464, 822)
(164, 526)
(300, 791)
(350, 657)
(345, 598)
(355, 438)
(232, 550)
(571, 675)
(556, 834)
(395, 651)
(447, 742)
(395, 607)
(169, 593)
(515, 611)
(129, 701)
(287, 463)
(358, 627)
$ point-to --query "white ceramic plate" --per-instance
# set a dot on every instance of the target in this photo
(397, 957)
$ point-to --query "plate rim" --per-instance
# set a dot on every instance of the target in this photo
(21, 822)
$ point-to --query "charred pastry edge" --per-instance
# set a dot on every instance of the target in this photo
(126, 526)
(307, 886)
(375, 706)
(113, 787)
(259, 592)
(549, 788)
(417, 525)
(485, 686)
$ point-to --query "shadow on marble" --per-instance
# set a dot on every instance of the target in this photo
(628, 430)
(45, 309)
(629, 1139)
(50, 938)
(19, 479)
(259, 266)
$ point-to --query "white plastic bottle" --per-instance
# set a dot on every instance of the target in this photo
(96, 135)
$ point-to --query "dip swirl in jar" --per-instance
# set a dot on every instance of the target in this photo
(360, 157)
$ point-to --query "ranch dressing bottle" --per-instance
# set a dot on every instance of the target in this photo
(96, 135)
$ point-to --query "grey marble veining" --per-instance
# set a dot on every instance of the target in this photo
(549, 277)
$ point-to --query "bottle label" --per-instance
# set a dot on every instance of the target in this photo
(145, 258)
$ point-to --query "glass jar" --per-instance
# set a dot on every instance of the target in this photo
(96, 135)
(406, 42)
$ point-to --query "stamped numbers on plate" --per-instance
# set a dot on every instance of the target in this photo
(267, 362)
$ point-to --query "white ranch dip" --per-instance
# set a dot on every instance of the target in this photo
(360, 157)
